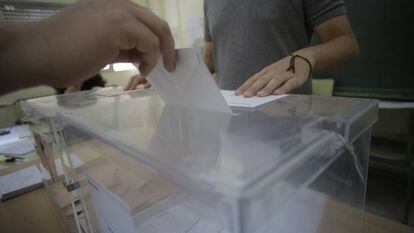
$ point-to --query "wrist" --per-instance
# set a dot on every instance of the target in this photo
(308, 54)
(298, 63)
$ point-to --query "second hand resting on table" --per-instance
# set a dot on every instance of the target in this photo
(136, 81)
(338, 47)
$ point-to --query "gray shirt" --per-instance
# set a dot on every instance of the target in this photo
(249, 35)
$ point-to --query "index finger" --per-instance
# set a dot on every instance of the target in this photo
(147, 44)
(242, 89)
(161, 29)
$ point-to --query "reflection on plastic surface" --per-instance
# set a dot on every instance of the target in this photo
(50, 106)
(178, 219)
(244, 172)
(190, 138)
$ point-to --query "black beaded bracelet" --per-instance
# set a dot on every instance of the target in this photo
(292, 66)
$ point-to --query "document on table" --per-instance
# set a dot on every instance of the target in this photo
(19, 142)
(20, 182)
(190, 86)
(18, 148)
(240, 101)
(17, 133)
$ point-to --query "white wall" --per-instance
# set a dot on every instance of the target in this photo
(185, 18)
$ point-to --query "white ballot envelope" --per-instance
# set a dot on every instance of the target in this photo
(190, 86)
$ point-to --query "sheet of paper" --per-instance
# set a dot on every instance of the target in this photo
(190, 86)
(113, 215)
(20, 147)
(12, 183)
(16, 133)
(114, 91)
(239, 101)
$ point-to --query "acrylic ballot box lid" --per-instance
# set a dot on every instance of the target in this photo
(228, 161)
(47, 107)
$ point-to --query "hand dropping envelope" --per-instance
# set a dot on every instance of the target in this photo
(190, 86)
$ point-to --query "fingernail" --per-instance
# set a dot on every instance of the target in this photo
(260, 94)
(172, 66)
(238, 92)
(172, 63)
(169, 67)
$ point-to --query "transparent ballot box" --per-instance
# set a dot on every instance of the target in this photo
(298, 164)
(55, 164)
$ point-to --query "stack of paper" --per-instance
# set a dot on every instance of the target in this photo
(17, 133)
(18, 148)
(19, 142)
(20, 182)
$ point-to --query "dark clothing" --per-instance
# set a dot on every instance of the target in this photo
(249, 35)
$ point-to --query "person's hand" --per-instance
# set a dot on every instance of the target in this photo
(83, 38)
(276, 79)
(73, 89)
(135, 81)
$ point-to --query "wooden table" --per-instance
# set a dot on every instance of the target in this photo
(30, 213)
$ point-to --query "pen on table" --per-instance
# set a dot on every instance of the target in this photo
(12, 156)
(7, 160)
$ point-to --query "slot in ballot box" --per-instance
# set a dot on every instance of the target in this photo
(151, 168)
(55, 166)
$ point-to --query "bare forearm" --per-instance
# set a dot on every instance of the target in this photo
(338, 45)
(210, 65)
(27, 57)
(208, 57)
(15, 58)
(332, 54)
(59, 51)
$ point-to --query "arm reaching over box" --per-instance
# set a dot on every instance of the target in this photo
(73, 45)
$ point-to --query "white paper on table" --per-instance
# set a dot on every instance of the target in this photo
(17, 133)
(16, 183)
(240, 101)
(190, 86)
(18, 148)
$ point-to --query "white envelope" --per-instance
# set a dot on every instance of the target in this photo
(190, 86)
